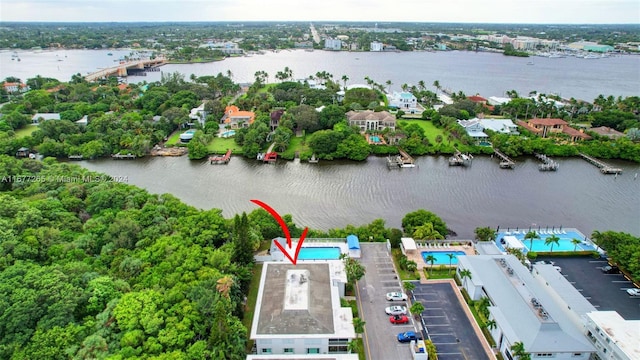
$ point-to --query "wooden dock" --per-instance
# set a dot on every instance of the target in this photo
(76, 157)
(505, 161)
(604, 167)
(547, 163)
(405, 159)
(128, 156)
(220, 159)
(460, 159)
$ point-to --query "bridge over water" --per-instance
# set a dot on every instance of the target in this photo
(121, 69)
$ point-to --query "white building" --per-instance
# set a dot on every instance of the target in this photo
(503, 126)
(404, 101)
(376, 46)
(198, 114)
(39, 117)
(333, 44)
(613, 336)
(540, 308)
(298, 310)
(497, 100)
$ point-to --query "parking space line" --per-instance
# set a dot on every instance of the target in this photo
(620, 281)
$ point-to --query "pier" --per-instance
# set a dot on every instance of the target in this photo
(604, 168)
(220, 159)
(122, 69)
(405, 159)
(128, 156)
(547, 163)
(460, 159)
(76, 157)
(505, 161)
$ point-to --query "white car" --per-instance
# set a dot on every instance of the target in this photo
(396, 296)
(396, 310)
(633, 292)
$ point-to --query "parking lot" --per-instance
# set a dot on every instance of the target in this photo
(604, 291)
(380, 339)
(447, 324)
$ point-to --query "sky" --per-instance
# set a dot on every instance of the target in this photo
(467, 11)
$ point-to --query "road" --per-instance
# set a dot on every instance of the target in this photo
(314, 34)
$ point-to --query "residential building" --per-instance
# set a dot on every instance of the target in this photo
(83, 121)
(236, 118)
(536, 307)
(376, 46)
(496, 100)
(306, 357)
(547, 126)
(613, 336)
(369, 120)
(275, 116)
(298, 310)
(332, 44)
(503, 126)
(227, 47)
(39, 117)
(474, 129)
(14, 87)
(198, 114)
(340, 94)
(404, 101)
(608, 132)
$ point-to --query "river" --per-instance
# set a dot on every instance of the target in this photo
(487, 74)
(334, 194)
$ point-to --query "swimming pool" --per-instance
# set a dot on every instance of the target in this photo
(319, 253)
(228, 133)
(565, 242)
(441, 257)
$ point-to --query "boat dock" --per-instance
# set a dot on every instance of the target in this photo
(604, 167)
(314, 159)
(220, 159)
(76, 157)
(460, 159)
(505, 161)
(128, 156)
(405, 159)
(547, 163)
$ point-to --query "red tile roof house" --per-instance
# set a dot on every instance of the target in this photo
(544, 127)
(236, 118)
(14, 87)
(480, 100)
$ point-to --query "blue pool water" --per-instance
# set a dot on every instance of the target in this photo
(564, 244)
(228, 133)
(441, 257)
(319, 253)
(375, 139)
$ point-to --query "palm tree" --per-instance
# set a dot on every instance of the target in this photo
(483, 306)
(345, 78)
(464, 274)
(389, 83)
(436, 84)
(451, 257)
(421, 85)
(552, 240)
(358, 326)
(409, 286)
(430, 259)
(575, 243)
(427, 232)
(491, 324)
(517, 350)
(353, 346)
(531, 235)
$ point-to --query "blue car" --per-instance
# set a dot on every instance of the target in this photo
(407, 336)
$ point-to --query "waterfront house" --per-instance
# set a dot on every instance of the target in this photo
(39, 117)
(332, 44)
(298, 311)
(275, 117)
(404, 101)
(376, 46)
(538, 308)
(608, 132)
(198, 114)
(502, 126)
(14, 87)
(547, 126)
(497, 100)
(236, 118)
(474, 129)
(369, 120)
(480, 100)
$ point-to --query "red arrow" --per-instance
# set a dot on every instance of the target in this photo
(285, 229)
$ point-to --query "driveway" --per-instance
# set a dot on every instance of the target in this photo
(447, 323)
(380, 342)
(604, 291)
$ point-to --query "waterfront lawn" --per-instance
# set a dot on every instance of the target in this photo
(220, 145)
(252, 298)
(297, 144)
(173, 138)
(26, 131)
(430, 131)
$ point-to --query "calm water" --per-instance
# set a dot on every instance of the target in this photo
(488, 74)
(334, 194)
(441, 257)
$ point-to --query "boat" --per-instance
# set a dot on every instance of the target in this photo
(530, 63)
(109, 54)
(591, 56)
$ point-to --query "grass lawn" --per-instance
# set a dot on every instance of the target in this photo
(26, 131)
(404, 275)
(438, 272)
(429, 129)
(221, 145)
(296, 145)
(252, 298)
(174, 138)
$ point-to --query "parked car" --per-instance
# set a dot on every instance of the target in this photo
(610, 269)
(396, 296)
(396, 310)
(399, 319)
(407, 336)
(635, 292)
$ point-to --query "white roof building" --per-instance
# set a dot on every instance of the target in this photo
(198, 114)
(298, 310)
(496, 100)
(614, 337)
(404, 101)
(37, 118)
(540, 308)
(503, 126)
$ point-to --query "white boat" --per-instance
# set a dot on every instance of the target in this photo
(591, 56)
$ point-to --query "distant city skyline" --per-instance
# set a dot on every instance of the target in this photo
(463, 11)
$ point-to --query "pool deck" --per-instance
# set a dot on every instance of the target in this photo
(439, 246)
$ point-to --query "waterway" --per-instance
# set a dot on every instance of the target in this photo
(333, 194)
(487, 74)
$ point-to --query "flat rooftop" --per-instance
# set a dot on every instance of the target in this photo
(305, 357)
(295, 299)
(624, 333)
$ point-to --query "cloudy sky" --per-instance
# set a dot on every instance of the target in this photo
(496, 11)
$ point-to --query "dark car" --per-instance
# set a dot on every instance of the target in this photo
(399, 319)
(407, 336)
(610, 269)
